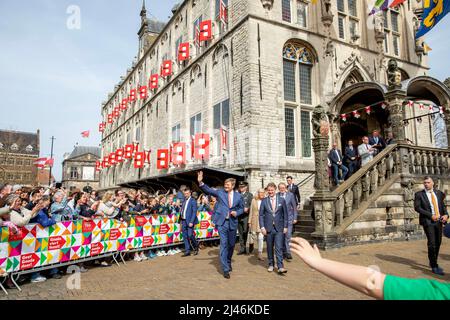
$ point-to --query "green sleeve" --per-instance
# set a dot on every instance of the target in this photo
(396, 288)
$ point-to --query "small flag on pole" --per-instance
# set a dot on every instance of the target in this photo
(85, 134)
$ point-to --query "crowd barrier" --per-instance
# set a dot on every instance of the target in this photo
(35, 247)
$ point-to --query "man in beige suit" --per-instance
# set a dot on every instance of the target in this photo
(255, 233)
(366, 151)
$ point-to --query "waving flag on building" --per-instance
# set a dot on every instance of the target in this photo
(85, 134)
(384, 5)
(434, 11)
(41, 163)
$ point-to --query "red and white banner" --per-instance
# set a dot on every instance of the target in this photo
(116, 112)
(124, 104)
(166, 68)
(139, 160)
(110, 118)
(101, 127)
(154, 81)
(105, 162)
(183, 51)
(98, 165)
(162, 161)
(201, 146)
(85, 134)
(205, 31)
(143, 92)
(112, 158)
(179, 153)
(119, 155)
(129, 149)
(132, 96)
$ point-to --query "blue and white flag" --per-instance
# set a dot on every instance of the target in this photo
(434, 11)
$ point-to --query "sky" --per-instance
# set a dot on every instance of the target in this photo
(54, 75)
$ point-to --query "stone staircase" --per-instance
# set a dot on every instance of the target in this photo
(377, 202)
(305, 225)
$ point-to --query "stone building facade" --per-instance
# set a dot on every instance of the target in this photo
(79, 168)
(260, 78)
(18, 152)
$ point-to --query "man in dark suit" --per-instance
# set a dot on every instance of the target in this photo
(351, 158)
(188, 216)
(336, 159)
(430, 204)
(273, 221)
(293, 188)
(377, 142)
(243, 219)
(228, 208)
(292, 218)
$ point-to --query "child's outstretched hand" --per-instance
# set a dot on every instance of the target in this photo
(311, 256)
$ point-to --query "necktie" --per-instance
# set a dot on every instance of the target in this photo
(230, 202)
(273, 203)
(435, 205)
(367, 147)
(337, 153)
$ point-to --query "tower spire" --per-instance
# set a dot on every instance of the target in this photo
(143, 12)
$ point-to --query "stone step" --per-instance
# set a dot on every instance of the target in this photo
(306, 223)
(304, 235)
(305, 229)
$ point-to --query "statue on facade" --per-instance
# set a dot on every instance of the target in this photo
(394, 74)
(319, 121)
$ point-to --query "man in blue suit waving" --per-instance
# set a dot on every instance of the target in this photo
(273, 220)
(188, 216)
(229, 206)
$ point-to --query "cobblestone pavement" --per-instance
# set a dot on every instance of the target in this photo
(174, 277)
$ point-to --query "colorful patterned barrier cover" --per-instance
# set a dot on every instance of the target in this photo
(34, 246)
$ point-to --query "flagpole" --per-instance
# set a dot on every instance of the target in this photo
(51, 157)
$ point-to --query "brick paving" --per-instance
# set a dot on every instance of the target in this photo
(199, 277)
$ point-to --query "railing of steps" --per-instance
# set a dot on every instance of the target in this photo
(335, 211)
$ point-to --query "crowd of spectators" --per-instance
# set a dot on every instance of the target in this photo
(21, 205)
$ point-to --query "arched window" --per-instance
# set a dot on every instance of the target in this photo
(298, 62)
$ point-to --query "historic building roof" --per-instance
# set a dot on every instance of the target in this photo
(82, 150)
(19, 142)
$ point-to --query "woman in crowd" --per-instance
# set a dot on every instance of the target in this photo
(203, 203)
(60, 209)
(108, 208)
(253, 224)
(154, 205)
(19, 215)
(45, 219)
(164, 208)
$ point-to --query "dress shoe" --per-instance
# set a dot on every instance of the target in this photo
(251, 248)
(288, 256)
(226, 275)
(196, 252)
(282, 271)
(186, 254)
(438, 271)
(260, 256)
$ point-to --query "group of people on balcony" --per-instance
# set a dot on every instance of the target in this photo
(341, 167)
